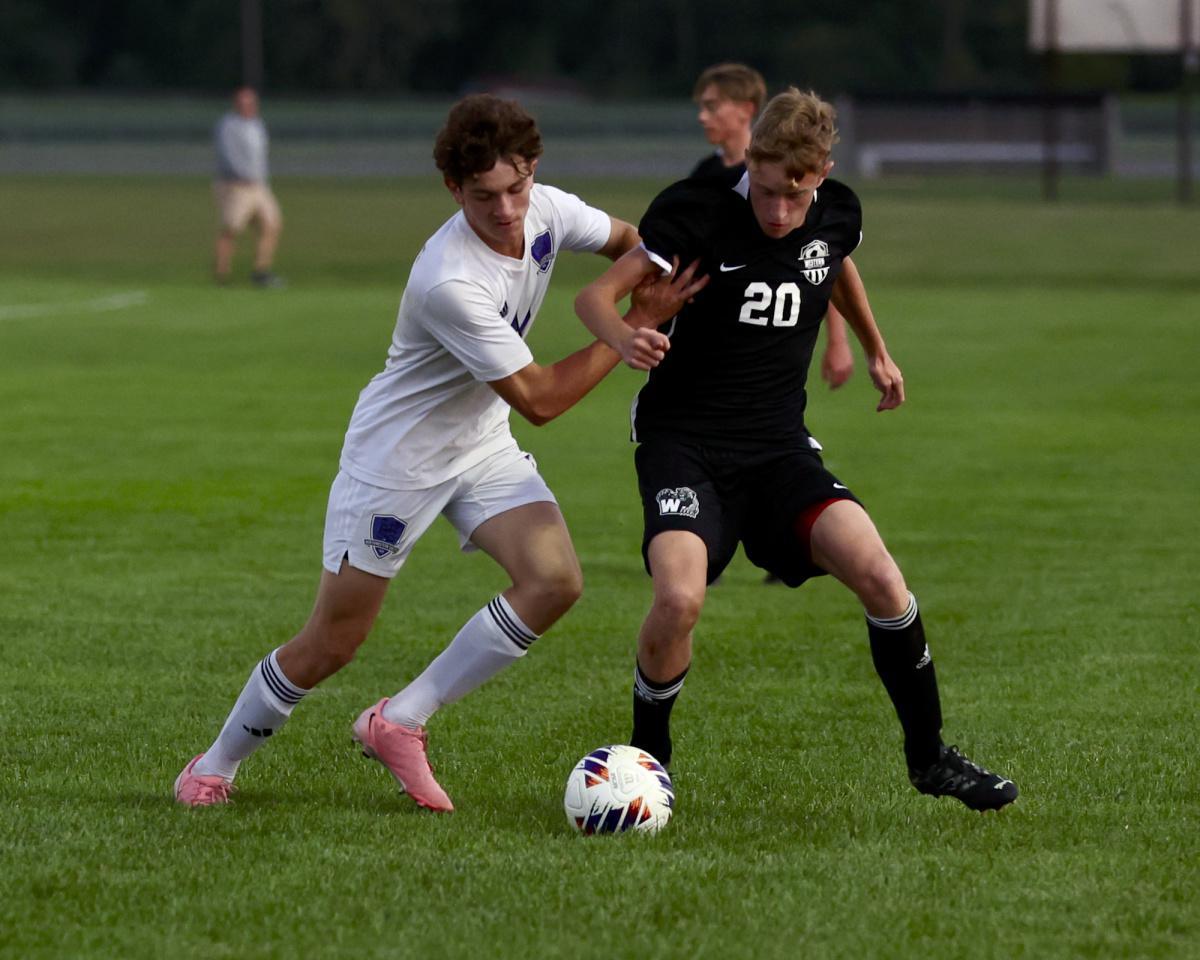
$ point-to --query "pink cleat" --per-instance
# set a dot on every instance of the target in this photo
(195, 790)
(402, 751)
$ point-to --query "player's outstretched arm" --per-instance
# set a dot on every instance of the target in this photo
(850, 297)
(540, 394)
(656, 299)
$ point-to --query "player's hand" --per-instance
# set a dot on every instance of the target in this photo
(659, 297)
(837, 364)
(645, 348)
(888, 381)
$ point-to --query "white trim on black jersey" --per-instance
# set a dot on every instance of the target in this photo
(656, 259)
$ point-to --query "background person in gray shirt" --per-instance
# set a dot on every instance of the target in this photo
(241, 190)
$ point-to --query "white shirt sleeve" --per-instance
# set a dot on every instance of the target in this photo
(584, 228)
(466, 321)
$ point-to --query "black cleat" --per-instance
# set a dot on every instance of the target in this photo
(955, 776)
(659, 750)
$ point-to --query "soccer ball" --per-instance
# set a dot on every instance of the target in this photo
(618, 788)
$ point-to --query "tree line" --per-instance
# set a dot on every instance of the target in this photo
(643, 48)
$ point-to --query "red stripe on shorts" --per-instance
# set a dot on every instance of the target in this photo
(808, 517)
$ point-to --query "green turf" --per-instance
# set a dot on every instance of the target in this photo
(165, 453)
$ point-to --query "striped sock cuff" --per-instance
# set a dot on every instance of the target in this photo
(897, 623)
(510, 624)
(646, 689)
(286, 692)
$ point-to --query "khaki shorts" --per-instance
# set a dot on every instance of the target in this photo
(239, 203)
(375, 529)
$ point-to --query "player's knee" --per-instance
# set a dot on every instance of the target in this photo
(558, 590)
(679, 604)
(881, 587)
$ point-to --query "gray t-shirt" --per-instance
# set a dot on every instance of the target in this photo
(241, 148)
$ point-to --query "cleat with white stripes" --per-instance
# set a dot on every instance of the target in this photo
(953, 775)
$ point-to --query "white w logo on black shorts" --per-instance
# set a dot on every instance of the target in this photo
(678, 502)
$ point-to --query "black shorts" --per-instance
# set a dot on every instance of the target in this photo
(729, 496)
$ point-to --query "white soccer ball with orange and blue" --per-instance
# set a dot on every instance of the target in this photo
(619, 788)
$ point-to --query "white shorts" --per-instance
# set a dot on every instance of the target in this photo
(376, 529)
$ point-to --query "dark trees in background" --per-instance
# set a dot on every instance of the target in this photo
(622, 47)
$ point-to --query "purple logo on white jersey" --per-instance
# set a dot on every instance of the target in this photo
(518, 324)
(542, 250)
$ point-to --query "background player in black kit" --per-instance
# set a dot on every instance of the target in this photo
(723, 452)
(729, 96)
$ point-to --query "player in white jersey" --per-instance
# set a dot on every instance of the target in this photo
(430, 436)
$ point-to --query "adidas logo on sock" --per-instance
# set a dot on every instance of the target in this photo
(255, 732)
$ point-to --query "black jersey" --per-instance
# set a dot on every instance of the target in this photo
(713, 167)
(736, 371)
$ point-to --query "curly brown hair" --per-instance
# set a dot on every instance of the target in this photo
(796, 129)
(481, 129)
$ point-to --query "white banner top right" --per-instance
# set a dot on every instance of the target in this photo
(1114, 26)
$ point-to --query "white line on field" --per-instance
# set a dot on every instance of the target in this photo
(114, 301)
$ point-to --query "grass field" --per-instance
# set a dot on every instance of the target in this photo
(165, 453)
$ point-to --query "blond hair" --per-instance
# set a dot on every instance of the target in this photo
(734, 81)
(796, 129)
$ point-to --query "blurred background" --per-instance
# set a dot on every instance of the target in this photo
(1034, 88)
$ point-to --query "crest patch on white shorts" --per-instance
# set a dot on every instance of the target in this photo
(678, 502)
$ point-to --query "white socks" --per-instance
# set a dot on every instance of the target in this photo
(491, 640)
(266, 702)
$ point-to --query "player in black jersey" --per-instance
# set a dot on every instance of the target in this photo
(729, 96)
(723, 453)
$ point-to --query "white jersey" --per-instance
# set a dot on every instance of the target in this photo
(429, 414)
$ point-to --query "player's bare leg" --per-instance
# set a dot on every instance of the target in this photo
(679, 566)
(845, 542)
(269, 230)
(346, 607)
(223, 255)
(533, 546)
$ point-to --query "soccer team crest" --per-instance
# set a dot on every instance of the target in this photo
(678, 502)
(815, 256)
(542, 250)
(386, 532)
